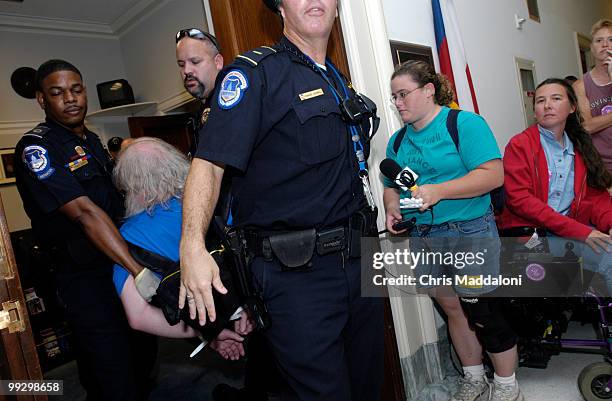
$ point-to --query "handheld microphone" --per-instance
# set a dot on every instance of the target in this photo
(405, 178)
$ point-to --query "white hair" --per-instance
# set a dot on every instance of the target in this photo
(150, 172)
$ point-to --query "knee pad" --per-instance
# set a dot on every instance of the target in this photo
(485, 317)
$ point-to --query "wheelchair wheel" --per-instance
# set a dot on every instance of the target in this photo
(593, 382)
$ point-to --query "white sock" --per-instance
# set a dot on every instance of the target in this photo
(505, 381)
(477, 371)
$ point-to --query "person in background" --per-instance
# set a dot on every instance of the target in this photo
(556, 181)
(198, 56)
(571, 79)
(455, 180)
(114, 146)
(125, 143)
(594, 92)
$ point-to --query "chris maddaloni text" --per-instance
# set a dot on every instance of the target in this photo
(457, 280)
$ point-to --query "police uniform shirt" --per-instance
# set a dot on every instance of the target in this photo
(276, 122)
(54, 166)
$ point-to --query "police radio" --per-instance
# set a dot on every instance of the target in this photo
(359, 108)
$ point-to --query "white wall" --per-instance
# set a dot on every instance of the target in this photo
(491, 42)
(148, 48)
(98, 60)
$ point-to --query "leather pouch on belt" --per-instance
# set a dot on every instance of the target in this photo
(294, 249)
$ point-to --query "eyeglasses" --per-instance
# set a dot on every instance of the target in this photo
(195, 33)
(401, 95)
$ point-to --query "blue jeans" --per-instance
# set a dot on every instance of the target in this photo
(459, 239)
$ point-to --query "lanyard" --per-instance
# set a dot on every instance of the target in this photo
(355, 137)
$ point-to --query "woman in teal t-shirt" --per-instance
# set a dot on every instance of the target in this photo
(454, 181)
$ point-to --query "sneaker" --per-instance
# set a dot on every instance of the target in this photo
(506, 393)
(472, 389)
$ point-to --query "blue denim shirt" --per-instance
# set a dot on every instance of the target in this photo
(560, 160)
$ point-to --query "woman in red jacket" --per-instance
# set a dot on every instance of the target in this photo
(556, 182)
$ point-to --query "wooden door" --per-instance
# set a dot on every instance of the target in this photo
(176, 129)
(243, 25)
(18, 358)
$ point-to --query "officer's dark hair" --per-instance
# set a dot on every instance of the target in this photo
(114, 144)
(49, 67)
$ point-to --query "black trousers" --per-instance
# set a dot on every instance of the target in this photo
(327, 339)
(115, 363)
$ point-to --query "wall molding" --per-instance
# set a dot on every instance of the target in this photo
(22, 23)
(172, 102)
(130, 18)
(17, 127)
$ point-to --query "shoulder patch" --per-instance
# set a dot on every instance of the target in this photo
(253, 57)
(39, 131)
(36, 158)
(233, 87)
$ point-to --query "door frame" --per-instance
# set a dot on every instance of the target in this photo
(19, 347)
(525, 64)
(583, 42)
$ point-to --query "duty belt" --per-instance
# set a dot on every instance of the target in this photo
(295, 248)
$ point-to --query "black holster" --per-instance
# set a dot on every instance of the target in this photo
(361, 224)
(235, 242)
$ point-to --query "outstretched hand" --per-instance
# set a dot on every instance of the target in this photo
(199, 273)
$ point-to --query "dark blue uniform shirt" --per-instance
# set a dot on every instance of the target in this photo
(277, 125)
(53, 166)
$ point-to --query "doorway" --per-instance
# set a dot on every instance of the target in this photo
(585, 58)
(527, 82)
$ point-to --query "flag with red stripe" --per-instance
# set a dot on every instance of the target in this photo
(451, 54)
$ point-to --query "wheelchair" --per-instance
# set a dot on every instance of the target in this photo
(540, 316)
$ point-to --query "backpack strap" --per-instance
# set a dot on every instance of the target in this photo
(152, 260)
(398, 139)
(498, 195)
(451, 126)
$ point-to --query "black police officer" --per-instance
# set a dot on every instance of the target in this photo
(62, 173)
(276, 122)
